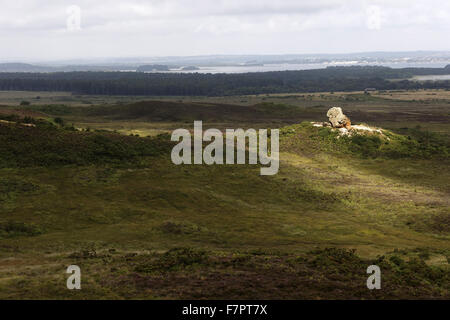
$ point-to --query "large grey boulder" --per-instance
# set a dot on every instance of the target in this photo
(338, 119)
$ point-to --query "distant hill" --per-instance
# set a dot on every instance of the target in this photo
(22, 67)
(25, 67)
(190, 68)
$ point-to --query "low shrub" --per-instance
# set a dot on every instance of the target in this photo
(12, 229)
(176, 258)
(48, 145)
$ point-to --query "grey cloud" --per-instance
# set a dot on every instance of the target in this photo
(37, 28)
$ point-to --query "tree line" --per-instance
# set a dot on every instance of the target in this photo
(196, 84)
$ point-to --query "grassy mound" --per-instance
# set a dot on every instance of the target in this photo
(418, 144)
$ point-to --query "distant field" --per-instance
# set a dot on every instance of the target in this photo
(432, 77)
(391, 109)
(45, 97)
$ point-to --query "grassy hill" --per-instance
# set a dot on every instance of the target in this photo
(141, 227)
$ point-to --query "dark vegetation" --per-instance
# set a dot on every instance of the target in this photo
(49, 145)
(13, 229)
(132, 83)
(329, 273)
(188, 112)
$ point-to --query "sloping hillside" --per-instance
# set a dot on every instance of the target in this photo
(142, 227)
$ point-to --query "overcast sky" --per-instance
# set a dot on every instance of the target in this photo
(64, 29)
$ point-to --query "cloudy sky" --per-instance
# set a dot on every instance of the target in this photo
(36, 30)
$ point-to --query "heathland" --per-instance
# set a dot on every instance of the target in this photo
(88, 180)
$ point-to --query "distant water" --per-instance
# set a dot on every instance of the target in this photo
(309, 66)
(432, 77)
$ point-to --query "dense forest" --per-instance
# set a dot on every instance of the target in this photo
(137, 83)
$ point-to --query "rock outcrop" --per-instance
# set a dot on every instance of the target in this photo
(338, 119)
(339, 122)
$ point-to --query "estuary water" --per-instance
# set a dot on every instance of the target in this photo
(308, 66)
